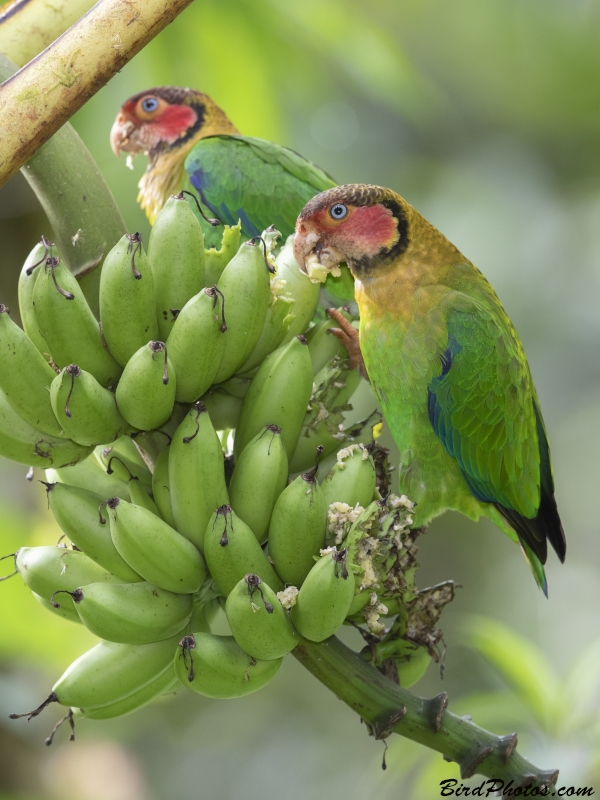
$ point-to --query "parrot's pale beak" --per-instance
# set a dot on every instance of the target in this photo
(120, 135)
(311, 251)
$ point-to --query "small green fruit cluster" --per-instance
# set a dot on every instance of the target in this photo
(196, 352)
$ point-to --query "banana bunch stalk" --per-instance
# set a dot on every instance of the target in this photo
(180, 435)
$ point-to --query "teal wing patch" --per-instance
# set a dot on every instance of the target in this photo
(482, 408)
(253, 180)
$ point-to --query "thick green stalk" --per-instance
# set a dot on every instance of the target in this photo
(387, 708)
(44, 94)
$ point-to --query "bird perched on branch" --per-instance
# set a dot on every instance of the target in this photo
(445, 362)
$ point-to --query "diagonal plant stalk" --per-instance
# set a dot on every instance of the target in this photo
(387, 708)
(42, 96)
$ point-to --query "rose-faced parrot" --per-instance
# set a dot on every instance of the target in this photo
(446, 364)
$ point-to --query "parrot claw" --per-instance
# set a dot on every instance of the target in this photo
(348, 336)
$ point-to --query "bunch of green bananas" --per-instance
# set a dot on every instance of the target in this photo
(197, 353)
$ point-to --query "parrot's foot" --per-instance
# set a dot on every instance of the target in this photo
(348, 336)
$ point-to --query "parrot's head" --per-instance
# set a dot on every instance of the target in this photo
(165, 123)
(365, 226)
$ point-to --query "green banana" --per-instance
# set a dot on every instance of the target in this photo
(164, 683)
(258, 621)
(197, 343)
(280, 315)
(64, 611)
(160, 487)
(133, 613)
(89, 475)
(155, 550)
(304, 292)
(352, 478)
(25, 377)
(140, 497)
(216, 666)
(215, 260)
(325, 597)
(322, 345)
(127, 303)
(113, 671)
(259, 477)
(278, 395)
(122, 458)
(231, 551)
(297, 528)
(237, 386)
(26, 445)
(46, 570)
(29, 273)
(324, 422)
(146, 392)
(245, 283)
(86, 410)
(76, 512)
(68, 325)
(176, 255)
(196, 474)
(223, 408)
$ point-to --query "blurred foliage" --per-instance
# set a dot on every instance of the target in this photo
(484, 115)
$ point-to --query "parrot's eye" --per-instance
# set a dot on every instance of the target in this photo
(149, 104)
(338, 211)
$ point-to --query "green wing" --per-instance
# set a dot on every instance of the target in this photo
(483, 408)
(253, 180)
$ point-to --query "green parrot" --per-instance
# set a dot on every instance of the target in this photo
(191, 144)
(445, 363)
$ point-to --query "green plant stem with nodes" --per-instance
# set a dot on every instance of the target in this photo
(387, 709)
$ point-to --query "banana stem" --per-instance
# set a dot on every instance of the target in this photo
(387, 708)
(42, 96)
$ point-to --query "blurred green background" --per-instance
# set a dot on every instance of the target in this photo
(485, 115)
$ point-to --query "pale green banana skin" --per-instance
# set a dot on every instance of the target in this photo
(89, 475)
(215, 260)
(132, 613)
(259, 477)
(196, 345)
(64, 611)
(196, 475)
(110, 672)
(127, 305)
(323, 346)
(299, 285)
(25, 377)
(129, 463)
(140, 497)
(94, 417)
(353, 482)
(26, 309)
(278, 395)
(26, 445)
(164, 683)
(223, 408)
(176, 255)
(46, 570)
(237, 386)
(412, 665)
(245, 284)
(142, 397)
(297, 529)
(222, 669)
(323, 601)
(70, 328)
(319, 434)
(76, 512)
(160, 487)
(155, 550)
(280, 315)
(228, 563)
(259, 633)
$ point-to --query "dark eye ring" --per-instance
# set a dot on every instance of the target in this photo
(338, 211)
(149, 104)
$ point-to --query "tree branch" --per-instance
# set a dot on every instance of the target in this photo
(387, 708)
(43, 95)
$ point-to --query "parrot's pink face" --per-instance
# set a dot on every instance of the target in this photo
(347, 225)
(149, 120)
